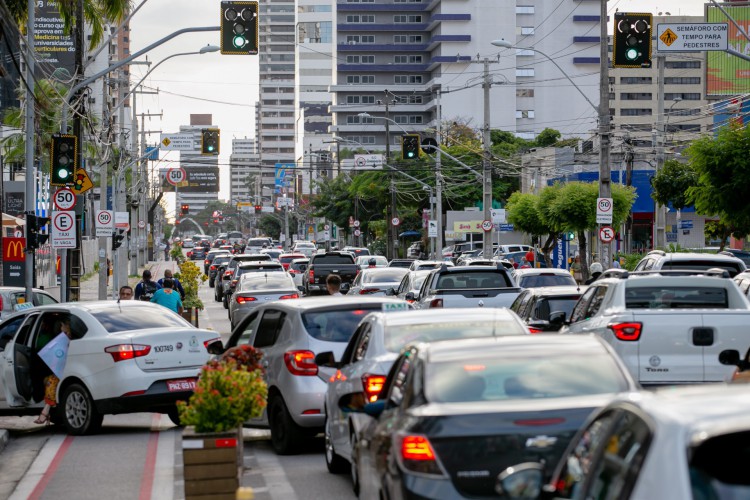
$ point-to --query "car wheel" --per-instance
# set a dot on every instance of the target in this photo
(210, 283)
(225, 301)
(79, 412)
(285, 433)
(335, 464)
(174, 416)
(354, 467)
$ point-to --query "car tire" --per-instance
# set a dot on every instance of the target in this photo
(354, 467)
(210, 283)
(174, 416)
(79, 414)
(285, 433)
(335, 463)
(225, 301)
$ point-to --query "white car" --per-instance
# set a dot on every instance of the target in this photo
(542, 276)
(124, 357)
(297, 269)
(677, 443)
(364, 261)
(374, 347)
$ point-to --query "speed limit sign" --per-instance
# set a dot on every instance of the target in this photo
(64, 199)
(176, 175)
(487, 226)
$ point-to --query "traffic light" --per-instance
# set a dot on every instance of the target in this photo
(632, 40)
(185, 209)
(34, 224)
(429, 145)
(210, 141)
(117, 239)
(410, 146)
(257, 209)
(63, 157)
(239, 28)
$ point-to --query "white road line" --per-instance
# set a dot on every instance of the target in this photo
(163, 486)
(38, 468)
(273, 474)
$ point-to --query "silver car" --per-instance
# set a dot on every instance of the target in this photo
(371, 352)
(297, 269)
(377, 280)
(258, 288)
(290, 333)
(13, 298)
(411, 282)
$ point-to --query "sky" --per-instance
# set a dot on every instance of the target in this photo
(227, 86)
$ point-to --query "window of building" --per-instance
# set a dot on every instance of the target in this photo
(612, 96)
(407, 19)
(368, 79)
(635, 112)
(527, 30)
(415, 38)
(685, 96)
(367, 139)
(400, 39)
(524, 9)
(407, 79)
(636, 96)
(524, 72)
(368, 38)
(524, 53)
(415, 99)
(352, 99)
(611, 80)
(524, 92)
(633, 80)
(368, 19)
(682, 64)
(525, 113)
(683, 128)
(682, 80)
(407, 59)
(352, 39)
(407, 1)
(352, 19)
(683, 112)
(352, 79)
(368, 99)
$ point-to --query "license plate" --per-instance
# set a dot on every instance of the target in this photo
(187, 384)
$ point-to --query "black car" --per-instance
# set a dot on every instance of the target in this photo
(217, 263)
(210, 256)
(534, 305)
(199, 253)
(454, 414)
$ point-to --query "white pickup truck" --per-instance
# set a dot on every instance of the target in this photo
(667, 329)
(466, 286)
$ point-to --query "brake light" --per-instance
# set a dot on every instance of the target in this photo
(311, 278)
(627, 332)
(535, 330)
(242, 300)
(122, 352)
(301, 363)
(367, 291)
(416, 448)
(228, 272)
(206, 342)
(206, 261)
(436, 303)
(289, 296)
(212, 268)
(372, 385)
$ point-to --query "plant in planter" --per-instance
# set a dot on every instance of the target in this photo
(176, 254)
(230, 391)
(191, 277)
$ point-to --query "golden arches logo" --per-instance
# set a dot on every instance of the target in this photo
(14, 251)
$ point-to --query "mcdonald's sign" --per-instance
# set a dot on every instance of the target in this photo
(13, 249)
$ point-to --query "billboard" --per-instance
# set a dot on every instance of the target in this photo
(53, 46)
(727, 74)
(199, 180)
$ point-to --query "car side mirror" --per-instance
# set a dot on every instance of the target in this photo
(326, 359)
(729, 357)
(521, 482)
(391, 292)
(344, 288)
(353, 402)
(410, 296)
(215, 347)
(557, 319)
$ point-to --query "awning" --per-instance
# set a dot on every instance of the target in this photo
(9, 220)
(410, 234)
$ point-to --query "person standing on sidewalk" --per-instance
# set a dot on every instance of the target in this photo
(177, 284)
(167, 297)
(146, 288)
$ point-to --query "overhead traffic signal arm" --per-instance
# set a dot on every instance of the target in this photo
(239, 27)
(632, 40)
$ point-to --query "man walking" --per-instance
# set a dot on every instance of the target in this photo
(333, 284)
(146, 288)
(167, 297)
(177, 284)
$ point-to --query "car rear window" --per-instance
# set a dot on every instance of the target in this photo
(335, 325)
(386, 276)
(676, 297)
(472, 279)
(272, 281)
(546, 280)
(546, 306)
(520, 375)
(715, 466)
(116, 319)
(397, 336)
(704, 265)
(333, 259)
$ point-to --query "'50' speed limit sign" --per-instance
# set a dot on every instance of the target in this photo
(176, 176)
(64, 199)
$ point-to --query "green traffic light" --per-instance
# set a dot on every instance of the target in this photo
(63, 173)
(631, 54)
(239, 41)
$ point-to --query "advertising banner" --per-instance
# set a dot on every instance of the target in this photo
(54, 48)
(199, 180)
(726, 74)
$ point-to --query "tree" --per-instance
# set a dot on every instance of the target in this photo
(547, 137)
(722, 165)
(672, 183)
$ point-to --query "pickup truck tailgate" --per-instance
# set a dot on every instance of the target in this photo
(727, 329)
(477, 298)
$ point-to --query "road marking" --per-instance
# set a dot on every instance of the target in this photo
(273, 474)
(164, 480)
(43, 469)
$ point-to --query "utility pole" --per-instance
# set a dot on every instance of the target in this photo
(605, 187)
(393, 240)
(487, 162)
(659, 212)
(438, 215)
(30, 195)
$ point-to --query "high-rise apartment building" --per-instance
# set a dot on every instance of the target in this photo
(394, 56)
(244, 168)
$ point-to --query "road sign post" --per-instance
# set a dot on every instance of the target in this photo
(63, 230)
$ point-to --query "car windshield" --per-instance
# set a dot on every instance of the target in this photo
(676, 297)
(546, 280)
(115, 319)
(519, 375)
(397, 336)
(336, 325)
(385, 276)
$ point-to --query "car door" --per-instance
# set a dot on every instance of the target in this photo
(18, 365)
(265, 337)
(7, 332)
(578, 316)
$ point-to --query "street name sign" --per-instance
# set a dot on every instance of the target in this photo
(177, 142)
(63, 230)
(691, 37)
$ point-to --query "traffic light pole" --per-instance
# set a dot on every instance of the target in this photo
(30, 195)
(605, 187)
(487, 163)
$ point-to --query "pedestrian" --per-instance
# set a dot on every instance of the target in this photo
(166, 250)
(333, 284)
(109, 270)
(616, 262)
(126, 293)
(51, 381)
(146, 288)
(524, 263)
(177, 284)
(168, 297)
(530, 257)
(596, 271)
(575, 270)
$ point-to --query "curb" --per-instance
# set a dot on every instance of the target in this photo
(4, 438)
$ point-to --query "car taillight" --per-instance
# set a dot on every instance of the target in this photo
(301, 363)
(417, 455)
(366, 291)
(436, 303)
(535, 330)
(289, 296)
(206, 342)
(206, 261)
(228, 272)
(122, 352)
(242, 300)
(311, 279)
(212, 268)
(372, 385)
(627, 332)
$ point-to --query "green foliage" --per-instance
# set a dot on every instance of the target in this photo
(631, 260)
(672, 183)
(523, 213)
(717, 230)
(230, 391)
(191, 277)
(547, 137)
(176, 253)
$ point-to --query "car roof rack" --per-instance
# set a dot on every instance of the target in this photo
(714, 272)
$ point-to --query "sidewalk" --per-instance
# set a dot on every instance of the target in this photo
(90, 287)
